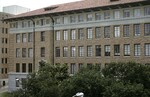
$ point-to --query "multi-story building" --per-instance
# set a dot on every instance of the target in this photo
(90, 32)
(4, 45)
(15, 9)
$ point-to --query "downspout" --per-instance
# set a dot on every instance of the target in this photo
(33, 22)
(53, 37)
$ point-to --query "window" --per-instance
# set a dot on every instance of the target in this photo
(2, 71)
(98, 50)
(65, 20)
(73, 51)
(117, 14)
(2, 50)
(24, 38)
(107, 15)
(137, 30)
(57, 20)
(81, 51)
(97, 16)
(2, 60)
(137, 12)
(5, 60)
(30, 37)
(107, 50)
(80, 66)
(126, 13)
(80, 18)
(89, 33)
(6, 30)
(23, 52)
(89, 17)
(126, 30)
(3, 40)
(57, 51)
(106, 32)
(65, 34)
(17, 82)
(42, 51)
(17, 38)
(97, 32)
(30, 67)
(17, 52)
(116, 50)
(127, 49)
(47, 21)
(80, 34)
(5, 70)
(147, 11)
(72, 19)
(6, 40)
(42, 22)
(23, 67)
(117, 31)
(6, 50)
(57, 35)
(72, 68)
(30, 52)
(137, 50)
(42, 36)
(89, 66)
(73, 34)
(17, 67)
(65, 51)
(147, 29)
(147, 49)
(89, 51)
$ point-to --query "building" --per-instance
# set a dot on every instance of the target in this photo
(4, 45)
(90, 32)
(15, 9)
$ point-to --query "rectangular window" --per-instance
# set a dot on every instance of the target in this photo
(24, 38)
(116, 50)
(42, 51)
(30, 52)
(107, 15)
(89, 17)
(116, 14)
(42, 36)
(17, 67)
(80, 18)
(23, 52)
(42, 22)
(57, 51)
(89, 51)
(98, 50)
(6, 50)
(30, 37)
(89, 33)
(147, 49)
(2, 71)
(106, 32)
(147, 29)
(17, 38)
(80, 34)
(126, 30)
(126, 13)
(72, 19)
(137, 30)
(30, 67)
(73, 34)
(107, 50)
(17, 52)
(73, 51)
(127, 49)
(117, 31)
(72, 68)
(57, 35)
(57, 20)
(6, 40)
(3, 40)
(5, 70)
(23, 67)
(137, 50)
(97, 32)
(137, 12)
(80, 66)
(5, 60)
(97, 16)
(2, 50)
(81, 51)
(65, 51)
(2, 60)
(65, 34)
(147, 11)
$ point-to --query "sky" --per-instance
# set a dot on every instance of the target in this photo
(32, 4)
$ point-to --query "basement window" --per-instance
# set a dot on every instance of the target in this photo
(113, 0)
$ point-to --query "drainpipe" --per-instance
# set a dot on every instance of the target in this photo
(33, 22)
(53, 37)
